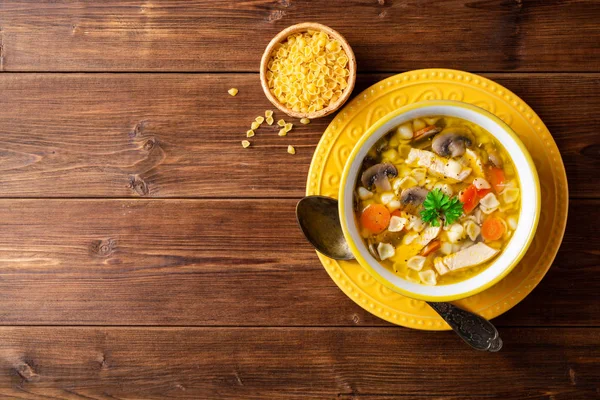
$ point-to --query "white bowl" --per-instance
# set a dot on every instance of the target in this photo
(528, 217)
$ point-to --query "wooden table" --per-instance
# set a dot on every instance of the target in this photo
(145, 254)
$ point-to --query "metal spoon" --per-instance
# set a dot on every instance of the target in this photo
(319, 220)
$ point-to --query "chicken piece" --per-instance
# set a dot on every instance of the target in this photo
(469, 257)
(440, 166)
(475, 163)
(428, 234)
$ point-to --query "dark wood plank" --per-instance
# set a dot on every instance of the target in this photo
(178, 135)
(553, 99)
(162, 262)
(204, 35)
(160, 363)
(563, 297)
(217, 263)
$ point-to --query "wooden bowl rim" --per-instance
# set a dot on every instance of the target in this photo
(280, 37)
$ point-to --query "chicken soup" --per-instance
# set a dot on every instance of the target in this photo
(437, 200)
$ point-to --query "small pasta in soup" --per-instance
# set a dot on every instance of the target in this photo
(437, 200)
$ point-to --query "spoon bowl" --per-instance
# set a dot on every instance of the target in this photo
(319, 220)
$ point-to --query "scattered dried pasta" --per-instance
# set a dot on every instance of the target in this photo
(291, 149)
(245, 143)
(260, 119)
(269, 120)
(232, 91)
(282, 132)
(254, 125)
(288, 127)
(281, 122)
(250, 133)
(268, 113)
(305, 121)
(308, 71)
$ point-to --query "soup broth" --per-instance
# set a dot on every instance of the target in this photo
(437, 200)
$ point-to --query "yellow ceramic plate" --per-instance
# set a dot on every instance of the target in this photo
(410, 87)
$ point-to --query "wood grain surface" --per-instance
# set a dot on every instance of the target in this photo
(294, 363)
(386, 35)
(217, 263)
(145, 255)
(179, 135)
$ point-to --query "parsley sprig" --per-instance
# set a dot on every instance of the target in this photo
(438, 205)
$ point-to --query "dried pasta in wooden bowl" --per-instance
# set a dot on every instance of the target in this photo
(308, 70)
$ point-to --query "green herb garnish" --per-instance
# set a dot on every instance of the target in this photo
(438, 205)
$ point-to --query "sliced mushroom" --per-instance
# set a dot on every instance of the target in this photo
(388, 236)
(369, 162)
(378, 175)
(414, 195)
(426, 132)
(493, 156)
(451, 143)
(495, 159)
(373, 251)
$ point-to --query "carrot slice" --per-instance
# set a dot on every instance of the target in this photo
(469, 198)
(492, 229)
(376, 217)
(431, 247)
(482, 192)
(497, 178)
(396, 213)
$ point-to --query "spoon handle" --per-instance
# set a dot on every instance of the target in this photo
(478, 332)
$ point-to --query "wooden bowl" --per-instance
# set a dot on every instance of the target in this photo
(281, 37)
